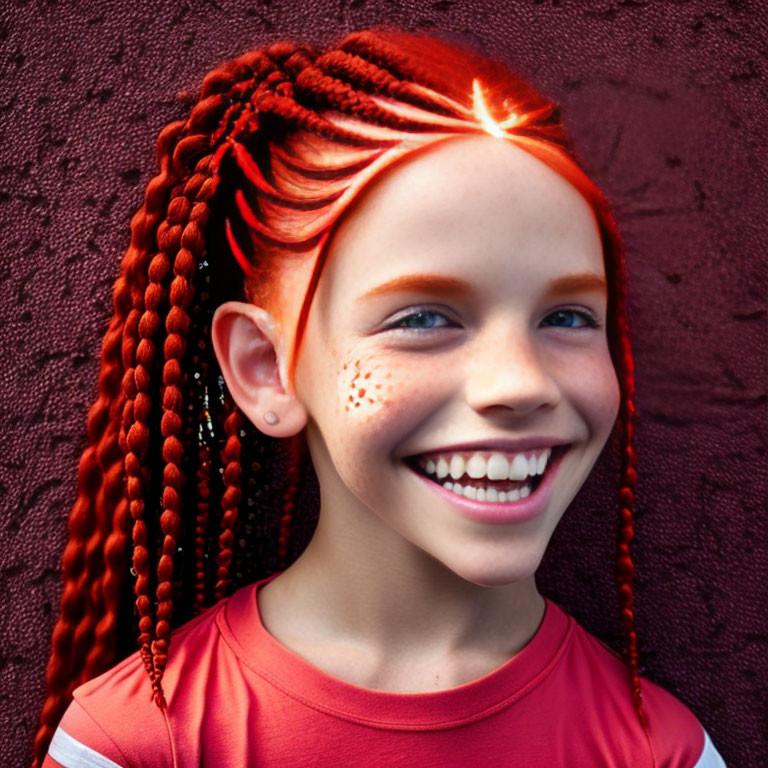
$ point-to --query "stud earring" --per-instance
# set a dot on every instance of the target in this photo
(271, 417)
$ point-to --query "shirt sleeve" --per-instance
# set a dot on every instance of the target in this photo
(677, 737)
(79, 742)
(710, 757)
(113, 723)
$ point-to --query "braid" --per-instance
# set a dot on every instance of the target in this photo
(373, 79)
(63, 666)
(296, 453)
(230, 457)
(378, 51)
(117, 544)
(621, 352)
(181, 233)
(203, 476)
(202, 428)
(256, 66)
(325, 91)
(107, 498)
(624, 565)
(138, 444)
(297, 116)
(89, 604)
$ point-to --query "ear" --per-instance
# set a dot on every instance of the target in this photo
(253, 365)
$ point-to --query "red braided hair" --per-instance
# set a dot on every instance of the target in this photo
(280, 143)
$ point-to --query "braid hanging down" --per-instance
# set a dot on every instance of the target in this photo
(173, 484)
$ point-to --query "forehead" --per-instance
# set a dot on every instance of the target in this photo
(456, 205)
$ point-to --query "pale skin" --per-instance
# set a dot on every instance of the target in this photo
(397, 590)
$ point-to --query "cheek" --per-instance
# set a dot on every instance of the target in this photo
(599, 394)
(363, 386)
(372, 389)
(362, 404)
(372, 414)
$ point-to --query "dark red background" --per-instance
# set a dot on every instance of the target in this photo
(666, 103)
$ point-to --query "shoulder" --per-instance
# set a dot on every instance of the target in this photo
(675, 736)
(113, 720)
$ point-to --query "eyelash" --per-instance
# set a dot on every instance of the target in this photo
(590, 321)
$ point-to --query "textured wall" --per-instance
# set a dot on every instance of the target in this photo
(666, 103)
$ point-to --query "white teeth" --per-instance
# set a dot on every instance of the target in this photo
(490, 495)
(476, 466)
(457, 466)
(519, 468)
(498, 467)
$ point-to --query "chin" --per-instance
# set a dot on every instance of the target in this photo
(498, 571)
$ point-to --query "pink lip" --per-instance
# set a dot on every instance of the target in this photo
(499, 444)
(508, 512)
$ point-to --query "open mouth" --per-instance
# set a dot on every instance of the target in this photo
(483, 488)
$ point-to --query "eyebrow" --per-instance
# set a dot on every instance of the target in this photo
(457, 288)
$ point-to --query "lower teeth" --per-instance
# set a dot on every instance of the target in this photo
(489, 494)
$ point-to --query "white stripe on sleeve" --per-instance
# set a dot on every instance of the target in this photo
(710, 757)
(72, 754)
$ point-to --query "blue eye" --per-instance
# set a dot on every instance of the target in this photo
(423, 320)
(564, 319)
(428, 319)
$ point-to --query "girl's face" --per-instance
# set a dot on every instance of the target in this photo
(461, 312)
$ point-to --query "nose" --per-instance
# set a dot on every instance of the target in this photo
(505, 371)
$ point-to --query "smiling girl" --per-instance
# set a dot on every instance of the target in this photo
(433, 308)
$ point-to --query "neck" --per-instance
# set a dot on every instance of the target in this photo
(359, 582)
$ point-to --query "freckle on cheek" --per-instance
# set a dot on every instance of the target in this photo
(362, 383)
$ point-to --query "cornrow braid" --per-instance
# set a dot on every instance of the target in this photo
(375, 48)
(325, 91)
(370, 78)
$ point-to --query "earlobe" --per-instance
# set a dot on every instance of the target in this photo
(247, 347)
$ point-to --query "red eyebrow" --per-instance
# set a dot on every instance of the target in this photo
(457, 288)
(451, 286)
(586, 281)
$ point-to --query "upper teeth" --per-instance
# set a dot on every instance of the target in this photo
(493, 465)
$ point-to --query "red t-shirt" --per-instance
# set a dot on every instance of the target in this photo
(237, 697)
